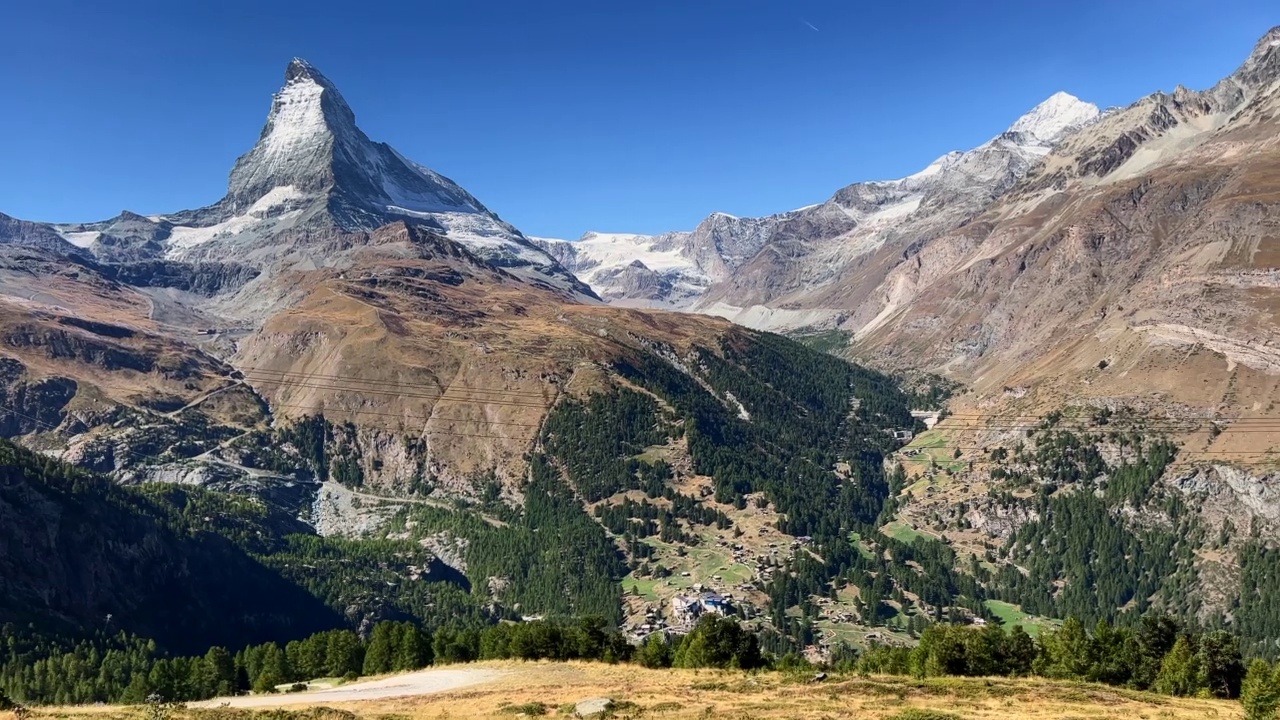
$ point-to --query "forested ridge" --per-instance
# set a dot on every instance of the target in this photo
(79, 553)
(767, 421)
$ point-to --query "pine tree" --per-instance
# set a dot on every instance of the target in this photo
(655, 652)
(1112, 655)
(1179, 673)
(1220, 664)
(1020, 651)
(168, 681)
(273, 670)
(344, 654)
(942, 651)
(312, 657)
(718, 642)
(986, 652)
(413, 649)
(1155, 638)
(1259, 692)
(378, 656)
(220, 672)
(1065, 653)
(138, 690)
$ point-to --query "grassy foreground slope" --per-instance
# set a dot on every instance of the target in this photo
(552, 689)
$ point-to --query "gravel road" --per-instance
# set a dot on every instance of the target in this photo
(424, 682)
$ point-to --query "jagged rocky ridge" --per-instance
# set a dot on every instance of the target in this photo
(728, 262)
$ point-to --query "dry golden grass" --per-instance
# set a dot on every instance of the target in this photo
(726, 695)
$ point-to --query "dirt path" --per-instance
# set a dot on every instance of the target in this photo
(425, 682)
(430, 502)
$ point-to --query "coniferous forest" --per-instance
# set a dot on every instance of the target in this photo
(190, 593)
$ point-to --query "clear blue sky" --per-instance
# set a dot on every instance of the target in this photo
(569, 115)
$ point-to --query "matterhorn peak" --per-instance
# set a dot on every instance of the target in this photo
(307, 126)
(299, 69)
(1053, 118)
(313, 168)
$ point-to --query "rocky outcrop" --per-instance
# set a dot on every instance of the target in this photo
(21, 232)
(1237, 494)
(206, 278)
(998, 520)
(30, 405)
(59, 344)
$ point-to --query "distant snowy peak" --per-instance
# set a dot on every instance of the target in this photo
(856, 220)
(1052, 119)
(628, 268)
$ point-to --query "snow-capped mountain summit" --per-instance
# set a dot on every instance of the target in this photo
(1052, 119)
(313, 172)
(729, 264)
(311, 144)
(309, 132)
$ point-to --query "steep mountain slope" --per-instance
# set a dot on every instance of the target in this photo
(79, 553)
(1141, 236)
(1144, 240)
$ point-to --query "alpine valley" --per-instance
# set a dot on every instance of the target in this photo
(348, 392)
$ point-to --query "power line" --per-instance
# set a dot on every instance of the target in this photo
(1111, 418)
(384, 383)
(401, 394)
(424, 418)
(344, 410)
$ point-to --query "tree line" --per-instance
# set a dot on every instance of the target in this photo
(128, 669)
(1159, 655)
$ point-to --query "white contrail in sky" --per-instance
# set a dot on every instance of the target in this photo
(806, 22)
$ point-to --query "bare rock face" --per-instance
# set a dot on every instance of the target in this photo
(30, 404)
(1234, 493)
(997, 520)
(21, 232)
(202, 278)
